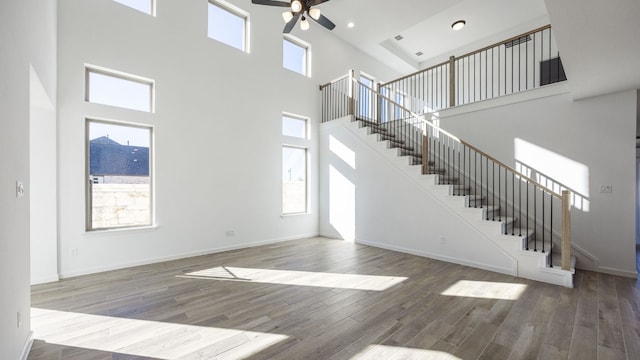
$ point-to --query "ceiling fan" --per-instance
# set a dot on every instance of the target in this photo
(298, 8)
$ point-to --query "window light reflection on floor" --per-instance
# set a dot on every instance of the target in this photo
(145, 338)
(300, 278)
(372, 352)
(486, 290)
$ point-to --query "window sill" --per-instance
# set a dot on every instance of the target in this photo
(283, 216)
(99, 232)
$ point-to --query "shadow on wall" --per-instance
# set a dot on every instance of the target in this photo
(554, 171)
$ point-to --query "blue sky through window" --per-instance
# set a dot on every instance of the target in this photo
(116, 91)
(146, 6)
(294, 57)
(226, 27)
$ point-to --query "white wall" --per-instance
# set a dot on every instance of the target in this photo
(27, 36)
(43, 183)
(596, 133)
(217, 127)
(369, 198)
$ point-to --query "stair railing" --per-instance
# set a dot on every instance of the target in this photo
(525, 207)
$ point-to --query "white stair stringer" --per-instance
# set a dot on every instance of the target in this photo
(530, 264)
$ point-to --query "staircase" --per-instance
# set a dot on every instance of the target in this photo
(539, 258)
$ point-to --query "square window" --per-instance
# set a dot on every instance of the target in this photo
(228, 24)
(146, 6)
(119, 191)
(294, 180)
(295, 55)
(294, 126)
(117, 89)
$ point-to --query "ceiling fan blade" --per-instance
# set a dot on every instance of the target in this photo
(316, 2)
(271, 3)
(291, 24)
(322, 20)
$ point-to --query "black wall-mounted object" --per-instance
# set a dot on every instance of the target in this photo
(551, 71)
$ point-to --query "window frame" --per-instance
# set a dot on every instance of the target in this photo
(296, 117)
(89, 183)
(88, 69)
(233, 10)
(307, 54)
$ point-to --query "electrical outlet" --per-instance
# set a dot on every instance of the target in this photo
(606, 189)
(19, 189)
(74, 252)
(442, 240)
(230, 233)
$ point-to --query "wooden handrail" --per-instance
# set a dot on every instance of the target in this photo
(455, 138)
(416, 73)
(505, 41)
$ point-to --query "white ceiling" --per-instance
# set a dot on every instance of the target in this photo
(598, 40)
(425, 26)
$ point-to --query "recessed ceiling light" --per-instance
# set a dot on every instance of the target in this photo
(351, 24)
(458, 25)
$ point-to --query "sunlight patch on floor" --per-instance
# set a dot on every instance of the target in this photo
(486, 290)
(300, 278)
(372, 352)
(155, 339)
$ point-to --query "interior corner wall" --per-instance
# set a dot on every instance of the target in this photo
(596, 133)
(27, 38)
(217, 125)
(367, 199)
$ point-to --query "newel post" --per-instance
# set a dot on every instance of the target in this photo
(452, 81)
(566, 230)
(378, 103)
(425, 151)
(352, 93)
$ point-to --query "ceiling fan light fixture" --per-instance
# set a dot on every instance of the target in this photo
(296, 6)
(287, 16)
(458, 25)
(304, 24)
(314, 13)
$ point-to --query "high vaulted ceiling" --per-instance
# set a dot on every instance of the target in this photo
(425, 26)
(598, 40)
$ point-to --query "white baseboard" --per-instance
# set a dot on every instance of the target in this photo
(27, 347)
(45, 279)
(509, 271)
(182, 256)
(618, 272)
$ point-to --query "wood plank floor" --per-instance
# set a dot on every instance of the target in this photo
(327, 299)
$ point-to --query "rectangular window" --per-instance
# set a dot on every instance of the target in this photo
(117, 89)
(295, 55)
(294, 180)
(228, 24)
(146, 6)
(119, 182)
(294, 126)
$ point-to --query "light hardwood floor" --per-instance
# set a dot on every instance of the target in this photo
(327, 299)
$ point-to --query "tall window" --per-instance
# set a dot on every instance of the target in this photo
(294, 180)
(118, 89)
(228, 24)
(146, 6)
(295, 55)
(119, 181)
